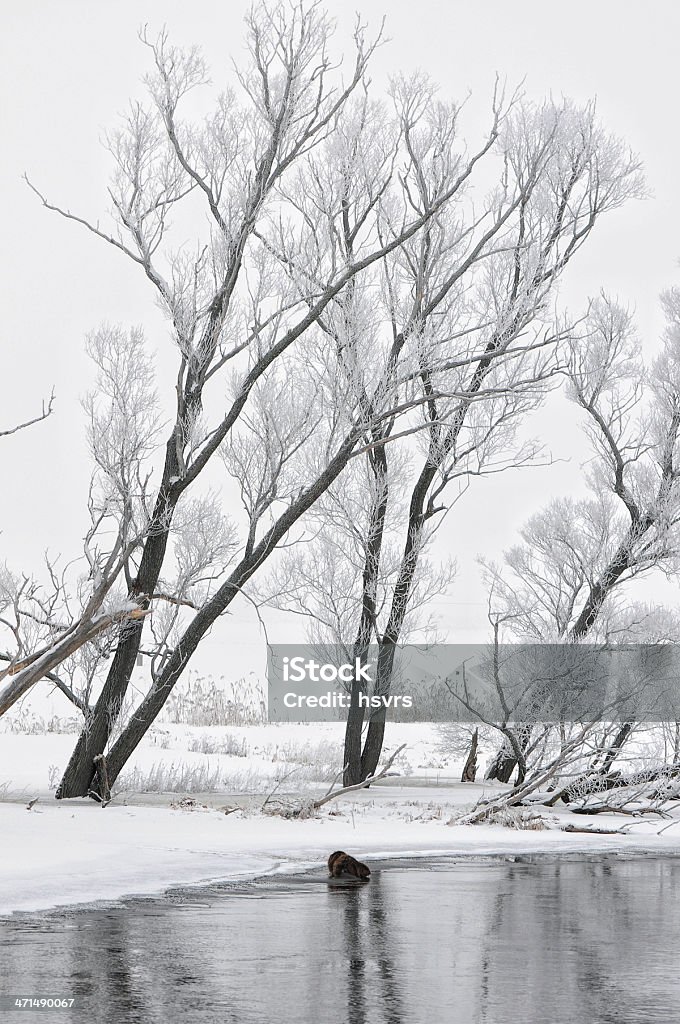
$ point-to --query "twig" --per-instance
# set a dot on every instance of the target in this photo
(279, 782)
(46, 411)
(670, 825)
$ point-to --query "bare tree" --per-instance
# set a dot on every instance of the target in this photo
(281, 173)
(50, 622)
(490, 311)
(566, 580)
(318, 197)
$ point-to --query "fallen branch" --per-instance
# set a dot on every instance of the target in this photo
(485, 809)
(24, 674)
(670, 825)
(597, 783)
(304, 810)
(611, 809)
(382, 774)
(593, 831)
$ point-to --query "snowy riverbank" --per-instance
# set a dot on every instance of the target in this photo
(75, 852)
(147, 840)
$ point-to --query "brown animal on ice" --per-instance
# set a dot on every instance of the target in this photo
(341, 863)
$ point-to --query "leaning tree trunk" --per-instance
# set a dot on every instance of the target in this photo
(145, 715)
(600, 776)
(375, 734)
(81, 770)
(470, 768)
(615, 749)
(79, 776)
(505, 761)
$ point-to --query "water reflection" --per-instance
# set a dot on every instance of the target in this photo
(563, 941)
(373, 986)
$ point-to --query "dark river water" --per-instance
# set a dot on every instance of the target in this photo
(577, 941)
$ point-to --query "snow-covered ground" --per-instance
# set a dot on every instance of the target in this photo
(75, 851)
(233, 759)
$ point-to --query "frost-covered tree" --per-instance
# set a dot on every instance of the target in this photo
(570, 578)
(50, 622)
(45, 624)
(366, 580)
(331, 231)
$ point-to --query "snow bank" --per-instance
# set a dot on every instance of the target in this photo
(75, 852)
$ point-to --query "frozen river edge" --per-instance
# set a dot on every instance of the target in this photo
(74, 852)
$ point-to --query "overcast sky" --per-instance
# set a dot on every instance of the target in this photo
(67, 69)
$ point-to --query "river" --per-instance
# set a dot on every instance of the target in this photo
(583, 941)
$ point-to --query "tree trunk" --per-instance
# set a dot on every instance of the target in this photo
(505, 761)
(470, 768)
(375, 734)
(615, 749)
(355, 722)
(370, 756)
(421, 509)
(377, 460)
(145, 715)
(147, 712)
(79, 776)
(80, 773)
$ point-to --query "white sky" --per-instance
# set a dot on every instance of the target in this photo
(67, 69)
